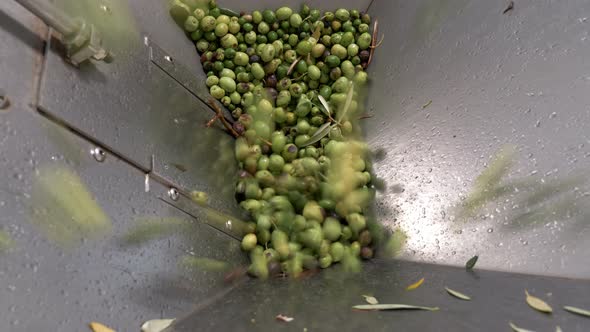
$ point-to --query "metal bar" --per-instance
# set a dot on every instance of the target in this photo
(51, 15)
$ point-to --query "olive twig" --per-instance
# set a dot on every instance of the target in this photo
(379, 43)
(220, 116)
(375, 28)
(264, 140)
(293, 66)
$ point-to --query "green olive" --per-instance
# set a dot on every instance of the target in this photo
(208, 23)
(346, 233)
(325, 261)
(364, 41)
(229, 41)
(212, 80)
(280, 243)
(268, 193)
(257, 71)
(191, 24)
(332, 61)
(256, 17)
(217, 92)
(221, 29)
(299, 223)
(313, 211)
(332, 229)
(227, 84)
(347, 69)
(295, 20)
(249, 242)
(304, 47)
(283, 13)
(356, 222)
(312, 238)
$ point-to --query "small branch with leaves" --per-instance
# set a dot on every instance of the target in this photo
(332, 123)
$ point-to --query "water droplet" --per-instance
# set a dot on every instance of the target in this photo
(553, 115)
(490, 230)
(98, 154)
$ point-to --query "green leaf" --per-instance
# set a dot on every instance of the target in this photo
(471, 262)
(518, 329)
(346, 104)
(537, 304)
(578, 311)
(392, 307)
(319, 134)
(458, 295)
(325, 104)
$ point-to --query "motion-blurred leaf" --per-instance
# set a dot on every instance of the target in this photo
(203, 263)
(147, 229)
(395, 244)
(5, 241)
(64, 209)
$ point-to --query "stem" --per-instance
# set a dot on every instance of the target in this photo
(293, 65)
(373, 38)
(222, 118)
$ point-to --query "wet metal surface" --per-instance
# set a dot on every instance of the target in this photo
(453, 83)
(324, 302)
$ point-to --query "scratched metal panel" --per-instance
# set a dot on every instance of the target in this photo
(494, 79)
(48, 288)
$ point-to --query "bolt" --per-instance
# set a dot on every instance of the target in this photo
(173, 194)
(98, 154)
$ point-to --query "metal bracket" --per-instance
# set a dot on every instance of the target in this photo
(82, 41)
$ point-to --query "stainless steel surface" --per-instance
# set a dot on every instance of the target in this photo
(494, 79)
(519, 79)
(51, 15)
(50, 288)
(324, 302)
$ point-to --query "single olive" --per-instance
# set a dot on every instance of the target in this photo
(249, 242)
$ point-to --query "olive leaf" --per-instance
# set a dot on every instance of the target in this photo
(537, 304)
(415, 285)
(325, 104)
(319, 134)
(457, 294)
(371, 299)
(518, 329)
(471, 262)
(392, 307)
(578, 311)
(346, 104)
(156, 325)
(98, 327)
